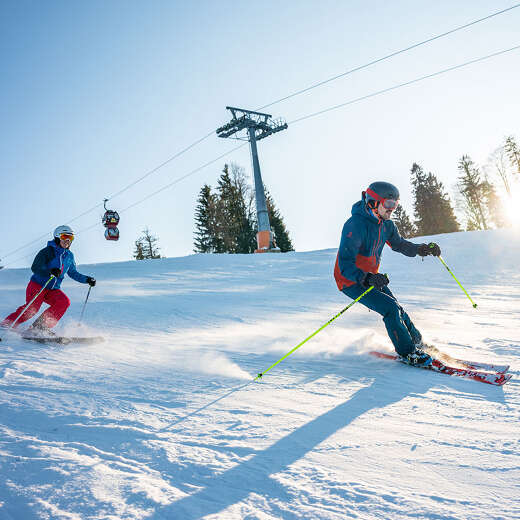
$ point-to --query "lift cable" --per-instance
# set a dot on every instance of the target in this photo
(391, 55)
(176, 181)
(416, 80)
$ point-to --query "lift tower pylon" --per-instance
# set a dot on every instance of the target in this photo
(258, 126)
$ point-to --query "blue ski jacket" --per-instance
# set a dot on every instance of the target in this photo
(362, 240)
(55, 256)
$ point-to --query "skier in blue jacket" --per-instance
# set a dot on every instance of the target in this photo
(50, 265)
(362, 240)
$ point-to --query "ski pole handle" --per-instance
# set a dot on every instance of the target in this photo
(450, 271)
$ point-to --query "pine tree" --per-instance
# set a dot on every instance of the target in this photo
(237, 230)
(225, 221)
(281, 235)
(432, 207)
(139, 249)
(226, 212)
(473, 191)
(513, 153)
(404, 223)
(145, 246)
(206, 234)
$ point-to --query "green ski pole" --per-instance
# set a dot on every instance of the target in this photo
(450, 271)
(259, 376)
(28, 305)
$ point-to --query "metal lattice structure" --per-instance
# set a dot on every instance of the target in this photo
(257, 126)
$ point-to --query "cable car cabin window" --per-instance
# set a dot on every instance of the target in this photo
(111, 218)
(112, 233)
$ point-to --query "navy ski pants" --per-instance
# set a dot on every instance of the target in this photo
(398, 324)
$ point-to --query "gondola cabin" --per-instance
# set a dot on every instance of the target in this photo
(110, 221)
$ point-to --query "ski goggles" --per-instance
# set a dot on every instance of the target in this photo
(386, 203)
(389, 203)
(66, 236)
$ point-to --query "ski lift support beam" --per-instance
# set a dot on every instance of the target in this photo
(258, 126)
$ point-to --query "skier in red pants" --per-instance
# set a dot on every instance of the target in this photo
(49, 267)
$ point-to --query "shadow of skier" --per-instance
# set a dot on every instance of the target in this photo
(254, 475)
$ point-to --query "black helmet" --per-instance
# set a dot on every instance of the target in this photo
(380, 191)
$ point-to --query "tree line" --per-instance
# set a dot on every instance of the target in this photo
(481, 195)
(225, 218)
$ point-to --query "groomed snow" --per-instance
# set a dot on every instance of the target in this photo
(163, 421)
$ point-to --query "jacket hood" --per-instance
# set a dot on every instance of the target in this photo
(360, 209)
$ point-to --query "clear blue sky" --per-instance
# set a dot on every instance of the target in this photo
(95, 94)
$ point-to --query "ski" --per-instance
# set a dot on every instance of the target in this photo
(439, 366)
(65, 340)
(473, 365)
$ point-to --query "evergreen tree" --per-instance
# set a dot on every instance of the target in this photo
(225, 221)
(237, 232)
(206, 233)
(513, 153)
(281, 235)
(139, 249)
(404, 223)
(146, 246)
(432, 207)
(474, 195)
(226, 224)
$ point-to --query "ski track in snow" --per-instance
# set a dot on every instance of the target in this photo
(163, 421)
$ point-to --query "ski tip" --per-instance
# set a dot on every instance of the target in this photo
(503, 379)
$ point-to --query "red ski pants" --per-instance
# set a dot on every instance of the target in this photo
(57, 299)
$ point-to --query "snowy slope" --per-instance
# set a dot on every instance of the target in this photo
(162, 420)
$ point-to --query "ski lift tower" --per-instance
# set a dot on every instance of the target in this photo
(258, 126)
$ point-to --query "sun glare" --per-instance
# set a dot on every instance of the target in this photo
(512, 204)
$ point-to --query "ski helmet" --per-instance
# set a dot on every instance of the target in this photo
(380, 192)
(63, 230)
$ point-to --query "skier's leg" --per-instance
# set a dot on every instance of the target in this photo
(386, 305)
(59, 303)
(414, 333)
(32, 290)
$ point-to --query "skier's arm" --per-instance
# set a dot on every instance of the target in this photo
(349, 248)
(399, 244)
(73, 273)
(40, 265)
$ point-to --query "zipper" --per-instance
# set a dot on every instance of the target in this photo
(376, 244)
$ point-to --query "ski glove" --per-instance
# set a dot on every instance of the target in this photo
(377, 280)
(91, 281)
(429, 249)
(56, 272)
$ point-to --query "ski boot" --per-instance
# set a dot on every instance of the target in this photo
(38, 330)
(417, 358)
